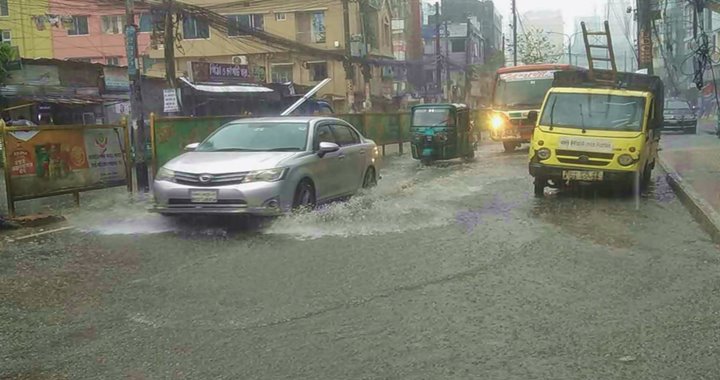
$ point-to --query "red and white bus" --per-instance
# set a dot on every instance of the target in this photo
(517, 91)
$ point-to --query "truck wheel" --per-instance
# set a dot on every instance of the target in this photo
(539, 186)
(509, 146)
(646, 176)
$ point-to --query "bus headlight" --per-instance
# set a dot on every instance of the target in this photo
(543, 153)
(626, 160)
(497, 121)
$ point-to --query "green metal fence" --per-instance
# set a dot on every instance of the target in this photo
(170, 135)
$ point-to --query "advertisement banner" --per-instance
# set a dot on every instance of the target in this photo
(48, 161)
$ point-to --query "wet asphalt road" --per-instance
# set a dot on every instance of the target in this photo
(449, 272)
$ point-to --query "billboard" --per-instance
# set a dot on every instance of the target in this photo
(42, 162)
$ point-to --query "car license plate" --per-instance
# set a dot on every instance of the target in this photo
(582, 175)
(203, 196)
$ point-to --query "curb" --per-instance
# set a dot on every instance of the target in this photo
(703, 212)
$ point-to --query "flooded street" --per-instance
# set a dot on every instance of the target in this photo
(452, 271)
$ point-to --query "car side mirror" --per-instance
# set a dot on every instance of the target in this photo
(532, 117)
(327, 147)
(191, 147)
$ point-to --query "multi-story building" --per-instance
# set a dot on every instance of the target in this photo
(547, 21)
(22, 25)
(91, 31)
(300, 26)
(407, 44)
(487, 15)
(461, 46)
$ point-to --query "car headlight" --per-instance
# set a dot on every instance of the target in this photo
(497, 121)
(543, 153)
(266, 175)
(165, 175)
(626, 160)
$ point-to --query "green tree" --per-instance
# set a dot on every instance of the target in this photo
(6, 55)
(534, 47)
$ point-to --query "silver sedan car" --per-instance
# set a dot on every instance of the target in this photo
(267, 166)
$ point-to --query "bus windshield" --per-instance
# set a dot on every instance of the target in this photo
(594, 111)
(522, 89)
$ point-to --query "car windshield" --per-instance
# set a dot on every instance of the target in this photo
(594, 111)
(525, 89)
(257, 136)
(432, 117)
(677, 105)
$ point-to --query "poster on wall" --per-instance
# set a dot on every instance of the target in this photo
(50, 161)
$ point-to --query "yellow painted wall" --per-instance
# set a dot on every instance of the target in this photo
(31, 42)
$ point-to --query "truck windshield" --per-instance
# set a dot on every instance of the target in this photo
(432, 117)
(523, 89)
(594, 111)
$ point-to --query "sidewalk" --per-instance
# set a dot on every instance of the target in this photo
(693, 166)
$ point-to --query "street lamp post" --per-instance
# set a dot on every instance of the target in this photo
(569, 37)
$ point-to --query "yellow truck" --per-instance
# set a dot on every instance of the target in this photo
(597, 127)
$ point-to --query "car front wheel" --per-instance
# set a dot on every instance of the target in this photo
(370, 179)
(304, 198)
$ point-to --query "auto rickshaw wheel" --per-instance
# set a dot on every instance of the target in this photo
(425, 161)
(539, 186)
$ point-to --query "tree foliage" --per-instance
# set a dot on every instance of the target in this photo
(534, 47)
(6, 55)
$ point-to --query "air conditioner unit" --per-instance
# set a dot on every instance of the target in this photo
(240, 60)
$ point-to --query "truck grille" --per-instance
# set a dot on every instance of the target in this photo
(584, 158)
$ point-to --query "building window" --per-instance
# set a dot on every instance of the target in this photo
(282, 73)
(79, 27)
(6, 37)
(318, 71)
(4, 9)
(310, 27)
(112, 61)
(112, 24)
(457, 45)
(238, 23)
(194, 29)
(280, 16)
(146, 23)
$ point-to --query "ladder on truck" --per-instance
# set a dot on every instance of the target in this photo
(600, 41)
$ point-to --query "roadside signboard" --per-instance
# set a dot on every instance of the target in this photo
(170, 100)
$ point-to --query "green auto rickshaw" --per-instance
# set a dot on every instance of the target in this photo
(441, 132)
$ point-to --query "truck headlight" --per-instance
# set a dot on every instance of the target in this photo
(626, 160)
(164, 174)
(543, 153)
(497, 121)
(266, 175)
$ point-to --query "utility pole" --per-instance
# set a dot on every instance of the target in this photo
(447, 62)
(349, 69)
(469, 42)
(514, 14)
(137, 123)
(438, 52)
(169, 46)
(644, 35)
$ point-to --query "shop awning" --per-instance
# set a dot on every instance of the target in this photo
(227, 88)
(53, 100)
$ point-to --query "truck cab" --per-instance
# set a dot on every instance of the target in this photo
(593, 131)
